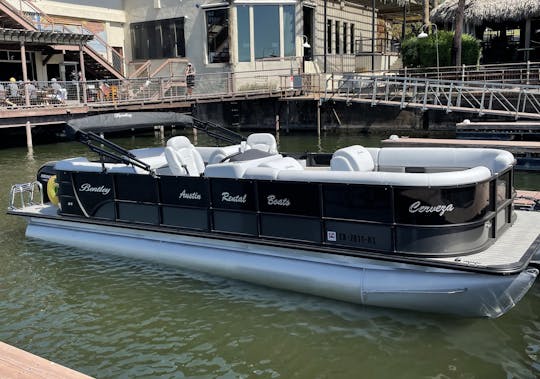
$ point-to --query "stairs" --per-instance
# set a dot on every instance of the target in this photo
(26, 15)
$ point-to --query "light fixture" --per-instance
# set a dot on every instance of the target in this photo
(306, 43)
(423, 34)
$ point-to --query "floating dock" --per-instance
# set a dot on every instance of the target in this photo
(527, 152)
(17, 363)
(519, 130)
(511, 146)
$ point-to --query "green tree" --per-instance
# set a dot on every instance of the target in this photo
(422, 52)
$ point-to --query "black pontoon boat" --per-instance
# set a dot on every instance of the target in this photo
(430, 229)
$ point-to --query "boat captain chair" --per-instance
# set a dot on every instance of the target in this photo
(183, 158)
(262, 141)
(352, 158)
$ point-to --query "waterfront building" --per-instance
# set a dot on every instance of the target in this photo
(157, 38)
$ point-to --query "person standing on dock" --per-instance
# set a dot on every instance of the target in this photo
(13, 92)
(190, 78)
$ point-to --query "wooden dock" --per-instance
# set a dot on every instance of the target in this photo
(515, 147)
(499, 129)
(19, 364)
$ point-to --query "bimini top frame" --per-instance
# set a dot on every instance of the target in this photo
(85, 130)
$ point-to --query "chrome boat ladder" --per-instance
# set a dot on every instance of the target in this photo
(27, 193)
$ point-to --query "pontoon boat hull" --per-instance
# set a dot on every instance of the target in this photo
(351, 279)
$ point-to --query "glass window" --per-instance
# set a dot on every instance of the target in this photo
(158, 39)
(244, 41)
(329, 36)
(288, 30)
(217, 35)
(337, 38)
(352, 39)
(266, 30)
(344, 38)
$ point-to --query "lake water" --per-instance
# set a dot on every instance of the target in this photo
(117, 318)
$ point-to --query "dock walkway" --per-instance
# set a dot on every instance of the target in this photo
(19, 364)
(514, 147)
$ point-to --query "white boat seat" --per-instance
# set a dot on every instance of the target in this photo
(236, 169)
(222, 152)
(269, 170)
(183, 158)
(286, 163)
(262, 141)
(398, 159)
(352, 158)
(462, 177)
(81, 164)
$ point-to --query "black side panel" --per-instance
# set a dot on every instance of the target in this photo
(184, 190)
(291, 198)
(69, 205)
(135, 187)
(292, 227)
(358, 202)
(66, 196)
(190, 218)
(235, 222)
(143, 213)
(449, 240)
(358, 235)
(106, 211)
(93, 189)
(441, 206)
(233, 194)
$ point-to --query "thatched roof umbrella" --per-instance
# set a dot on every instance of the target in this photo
(479, 12)
(497, 14)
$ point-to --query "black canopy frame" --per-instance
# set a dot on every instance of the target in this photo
(85, 130)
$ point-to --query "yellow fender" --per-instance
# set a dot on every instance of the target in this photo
(52, 190)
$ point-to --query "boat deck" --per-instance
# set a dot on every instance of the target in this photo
(509, 254)
(510, 248)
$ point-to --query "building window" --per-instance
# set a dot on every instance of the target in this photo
(158, 39)
(266, 31)
(288, 31)
(329, 36)
(337, 38)
(345, 38)
(352, 38)
(217, 35)
(244, 41)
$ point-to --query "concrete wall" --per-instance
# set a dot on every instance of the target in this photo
(302, 115)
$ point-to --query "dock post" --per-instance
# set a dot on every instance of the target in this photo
(318, 118)
(195, 136)
(29, 135)
(277, 123)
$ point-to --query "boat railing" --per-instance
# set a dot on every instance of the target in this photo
(26, 193)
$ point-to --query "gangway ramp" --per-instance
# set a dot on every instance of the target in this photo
(517, 101)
